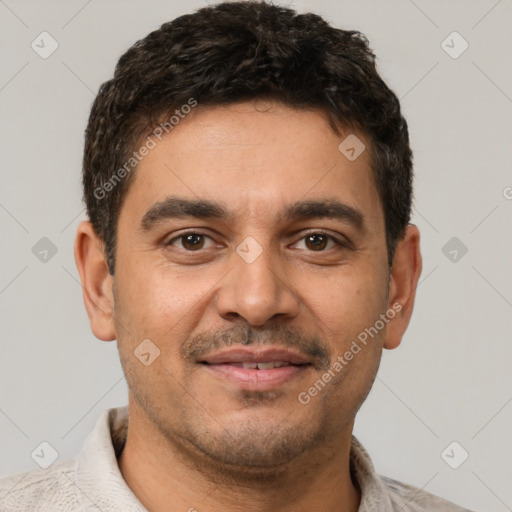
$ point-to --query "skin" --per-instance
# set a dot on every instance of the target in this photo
(197, 440)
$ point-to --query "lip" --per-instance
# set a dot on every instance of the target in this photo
(262, 355)
(221, 365)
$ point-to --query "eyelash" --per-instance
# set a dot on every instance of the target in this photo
(339, 243)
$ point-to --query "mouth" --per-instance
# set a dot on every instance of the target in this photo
(253, 365)
(258, 370)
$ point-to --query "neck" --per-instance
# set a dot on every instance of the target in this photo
(169, 477)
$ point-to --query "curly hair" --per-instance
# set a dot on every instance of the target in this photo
(238, 51)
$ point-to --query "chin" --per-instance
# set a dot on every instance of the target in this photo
(256, 444)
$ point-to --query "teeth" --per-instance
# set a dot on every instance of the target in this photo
(266, 366)
(262, 366)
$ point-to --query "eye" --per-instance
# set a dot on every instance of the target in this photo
(190, 241)
(319, 242)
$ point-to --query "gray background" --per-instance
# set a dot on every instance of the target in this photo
(450, 380)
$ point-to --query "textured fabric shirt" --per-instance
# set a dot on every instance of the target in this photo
(92, 480)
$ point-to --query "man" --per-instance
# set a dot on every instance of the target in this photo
(248, 181)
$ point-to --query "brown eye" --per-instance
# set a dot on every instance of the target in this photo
(192, 241)
(316, 242)
(319, 242)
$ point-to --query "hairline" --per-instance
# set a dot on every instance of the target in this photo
(146, 127)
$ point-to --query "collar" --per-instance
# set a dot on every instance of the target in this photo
(99, 481)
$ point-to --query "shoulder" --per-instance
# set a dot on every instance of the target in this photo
(415, 499)
(43, 490)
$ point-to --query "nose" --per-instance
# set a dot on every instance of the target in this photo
(257, 290)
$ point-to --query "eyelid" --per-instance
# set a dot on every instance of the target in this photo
(184, 234)
(339, 240)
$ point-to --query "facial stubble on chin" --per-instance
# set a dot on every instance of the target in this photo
(250, 450)
(249, 445)
(244, 451)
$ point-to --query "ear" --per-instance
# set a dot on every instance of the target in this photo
(405, 272)
(96, 281)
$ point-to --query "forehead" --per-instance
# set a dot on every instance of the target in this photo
(253, 159)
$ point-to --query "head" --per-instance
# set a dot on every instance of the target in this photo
(248, 180)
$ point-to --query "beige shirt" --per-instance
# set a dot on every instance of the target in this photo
(92, 481)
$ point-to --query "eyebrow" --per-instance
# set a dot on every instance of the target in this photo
(174, 207)
(324, 209)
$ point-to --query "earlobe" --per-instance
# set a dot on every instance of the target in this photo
(405, 272)
(96, 282)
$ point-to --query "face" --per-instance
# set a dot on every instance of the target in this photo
(251, 253)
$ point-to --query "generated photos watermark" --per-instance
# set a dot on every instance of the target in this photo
(304, 397)
(150, 143)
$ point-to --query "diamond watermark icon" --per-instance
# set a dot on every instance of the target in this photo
(44, 455)
(44, 45)
(454, 249)
(352, 147)
(454, 45)
(44, 250)
(454, 455)
(249, 250)
(146, 352)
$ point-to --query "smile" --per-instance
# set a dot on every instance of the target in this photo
(258, 369)
(251, 365)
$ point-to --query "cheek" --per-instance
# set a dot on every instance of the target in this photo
(161, 305)
(157, 295)
(347, 303)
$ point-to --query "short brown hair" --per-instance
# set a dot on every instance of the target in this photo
(238, 51)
